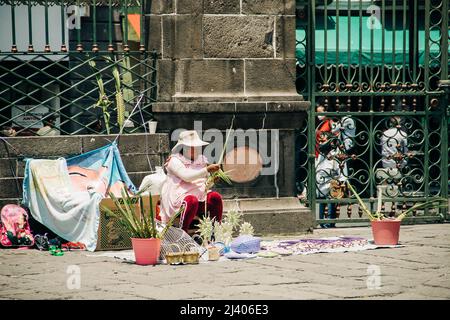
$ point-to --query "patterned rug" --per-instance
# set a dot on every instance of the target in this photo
(320, 245)
(277, 248)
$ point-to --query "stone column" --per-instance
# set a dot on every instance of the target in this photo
(225, 58)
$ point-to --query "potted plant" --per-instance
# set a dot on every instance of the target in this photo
(386, 230)
(145, 232)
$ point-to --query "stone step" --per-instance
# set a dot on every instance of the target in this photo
(4, 202)
(136, 164)
(8, 188)
(274, 216)
(64, 146)
(10, 165)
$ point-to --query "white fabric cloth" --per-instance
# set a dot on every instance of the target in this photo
(48, 132)
(186, 171)
(347, 131)
(184, 177)
(154, 182)
(326, 169)
(389, 141)
(48, 192)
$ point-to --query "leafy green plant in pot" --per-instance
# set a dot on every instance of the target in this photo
(145, 232)
(386, 230)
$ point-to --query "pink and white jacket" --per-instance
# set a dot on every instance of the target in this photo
(184, 177)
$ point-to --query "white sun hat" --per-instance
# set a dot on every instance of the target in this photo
(189, 138)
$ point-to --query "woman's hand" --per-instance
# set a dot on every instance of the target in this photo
(213, 167)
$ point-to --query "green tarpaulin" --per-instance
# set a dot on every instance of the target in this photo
(371, 46)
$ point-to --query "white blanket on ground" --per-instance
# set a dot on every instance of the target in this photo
(52, 201)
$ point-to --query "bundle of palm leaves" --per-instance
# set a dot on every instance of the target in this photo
(246, 229)
(223, 232)
(206, 229)
(379, 215)
(120, 102)
(103, 100)
(219, 175)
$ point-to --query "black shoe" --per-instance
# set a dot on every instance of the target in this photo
(41, 242)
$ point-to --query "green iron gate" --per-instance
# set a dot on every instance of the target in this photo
(377, 70)
(56, 55)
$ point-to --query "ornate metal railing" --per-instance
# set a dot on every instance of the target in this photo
(374, 67)
(53, 55)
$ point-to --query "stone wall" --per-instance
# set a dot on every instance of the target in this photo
(134, 149)
(235, 51)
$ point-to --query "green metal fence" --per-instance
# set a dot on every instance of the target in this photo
(53, 55)
(376, 70)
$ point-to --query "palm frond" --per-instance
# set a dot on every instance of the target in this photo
(120, 103)
(171, 221)
(430, 204)
(140, 224)
(361, 203)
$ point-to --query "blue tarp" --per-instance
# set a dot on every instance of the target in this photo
(106, 157)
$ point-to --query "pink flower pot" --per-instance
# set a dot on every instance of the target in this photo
(146, 251)
(386, 232)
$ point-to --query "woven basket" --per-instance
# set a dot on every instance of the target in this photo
(213, 253)
(191, 256)
(181, 238)
(174, 257)
(246, 244)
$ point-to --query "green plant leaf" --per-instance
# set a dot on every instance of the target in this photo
(430, 204)
(152, 215)
(147, 228)
(128, 215)
(361, 203)
(170, 222)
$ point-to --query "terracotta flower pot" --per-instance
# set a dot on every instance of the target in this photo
(386, 232)
(146, 251)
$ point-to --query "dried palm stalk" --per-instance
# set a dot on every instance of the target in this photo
(246, 229)
(120, 103)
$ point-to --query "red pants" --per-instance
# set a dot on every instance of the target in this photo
(194, 207)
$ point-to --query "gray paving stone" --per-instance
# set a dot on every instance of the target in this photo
(416, 271)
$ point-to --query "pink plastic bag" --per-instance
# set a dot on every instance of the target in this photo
(14, 227)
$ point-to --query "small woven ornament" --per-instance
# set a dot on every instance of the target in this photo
(246, 229)
(223, 232)
(233, 217)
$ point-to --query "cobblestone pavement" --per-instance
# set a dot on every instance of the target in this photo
(420, 270)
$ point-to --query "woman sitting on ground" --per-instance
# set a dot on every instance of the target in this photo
(187, 173)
